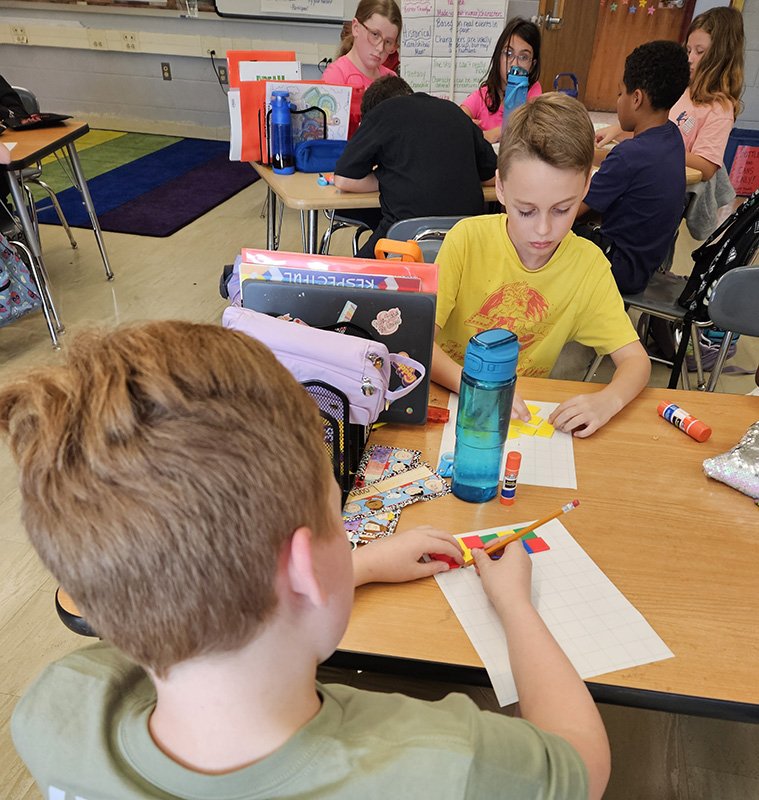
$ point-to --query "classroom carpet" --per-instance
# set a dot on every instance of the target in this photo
(144, 184)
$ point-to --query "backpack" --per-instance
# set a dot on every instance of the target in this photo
(18, 294)
(733, 244)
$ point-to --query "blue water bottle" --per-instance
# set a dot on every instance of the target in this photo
(482, 423)
(515, 94)
(282, 158)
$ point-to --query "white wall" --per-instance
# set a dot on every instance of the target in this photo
(93, 77)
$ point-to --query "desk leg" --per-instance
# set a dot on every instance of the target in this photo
(271, 219)
(312, 231)
(85, 192)
(34, 253)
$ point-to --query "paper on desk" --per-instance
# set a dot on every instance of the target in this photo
(545, 462)
(10, 145)
(593, 622)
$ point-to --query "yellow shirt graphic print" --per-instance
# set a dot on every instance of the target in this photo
(518, 308)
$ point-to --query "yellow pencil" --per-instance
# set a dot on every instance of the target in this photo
(502, 541)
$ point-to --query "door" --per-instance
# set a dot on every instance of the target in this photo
(622, 26)
(567, 29)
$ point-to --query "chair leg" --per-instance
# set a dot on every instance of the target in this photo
(58, 211)
(356, 238)
(48, 307)
(327, 238)
(721, 358)
(695, 339)
(679, 367)
(593, 368)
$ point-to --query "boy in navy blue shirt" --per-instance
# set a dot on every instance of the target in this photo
(639, 191)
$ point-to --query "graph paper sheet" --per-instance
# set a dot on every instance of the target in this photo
(595, 624)
(545, 461)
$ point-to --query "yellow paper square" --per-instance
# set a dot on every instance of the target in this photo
(527, 430)
(515, 423)
(545, 429)
(467, 552)
(535, 420)
(532, 408)
(513, 433)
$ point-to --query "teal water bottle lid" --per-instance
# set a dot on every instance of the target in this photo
(492, 355)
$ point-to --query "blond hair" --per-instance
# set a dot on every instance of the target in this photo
(163, 468)
(366, 9)
(718, 76)
(554, 128)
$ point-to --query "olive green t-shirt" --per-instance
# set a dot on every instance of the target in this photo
(82, 729)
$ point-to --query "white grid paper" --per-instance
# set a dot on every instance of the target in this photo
(545, 462)
(593, 622)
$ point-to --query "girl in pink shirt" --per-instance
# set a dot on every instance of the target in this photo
(707, 110)
(374, 35)
(518, 45)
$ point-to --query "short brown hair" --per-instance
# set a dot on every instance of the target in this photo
(163, 468)
(554, 128)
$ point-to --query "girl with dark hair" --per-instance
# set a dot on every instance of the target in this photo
(517, 46)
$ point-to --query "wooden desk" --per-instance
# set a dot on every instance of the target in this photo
(682, 548)
(301, 192)
(32, 146)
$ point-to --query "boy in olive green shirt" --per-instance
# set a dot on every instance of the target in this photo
(175, 481)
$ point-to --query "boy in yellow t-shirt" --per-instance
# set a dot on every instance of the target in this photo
(527, 272)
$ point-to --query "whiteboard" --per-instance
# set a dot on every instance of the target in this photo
(311, 11)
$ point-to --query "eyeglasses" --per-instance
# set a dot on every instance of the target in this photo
(522, 58)
(375, 37)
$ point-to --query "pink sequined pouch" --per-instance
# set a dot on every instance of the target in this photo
(739, 467)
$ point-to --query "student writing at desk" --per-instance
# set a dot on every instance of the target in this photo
(175, 481)
(423, 154)
(639, 191)
(527, 272)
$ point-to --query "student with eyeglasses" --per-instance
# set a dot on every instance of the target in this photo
(517, 46)
(375, 34)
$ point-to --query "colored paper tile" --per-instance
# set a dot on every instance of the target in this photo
(513, 433)
(527, 546)
(527, 430)
(545, 429)
(448, 560)
(488, 537)
(515, 423)
(472, 541)
(538, 545)
(532, 408)
(535, 420)
(527, 536)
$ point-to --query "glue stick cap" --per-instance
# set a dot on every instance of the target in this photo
(513, 460)
(699, 431)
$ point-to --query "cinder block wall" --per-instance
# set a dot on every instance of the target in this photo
(750, 116)
(126, 90)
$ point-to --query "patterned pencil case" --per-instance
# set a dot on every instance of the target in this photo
(739, 467)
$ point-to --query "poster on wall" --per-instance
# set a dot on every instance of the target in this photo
(427, 47)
